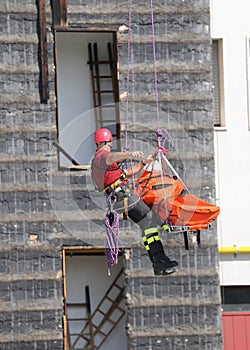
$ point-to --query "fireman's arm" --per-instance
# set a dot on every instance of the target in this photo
(135, 169)
(121, 156)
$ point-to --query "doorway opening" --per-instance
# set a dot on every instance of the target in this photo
(94, 303)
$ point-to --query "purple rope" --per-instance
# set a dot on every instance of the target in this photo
(112, 242)
(127, 77)
(168, 137)
(159, 131)
(127, 142)
(155, 72)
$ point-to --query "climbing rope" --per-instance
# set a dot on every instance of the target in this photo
(127, 144)
(112, 239)
(154, 59)
(159, 134)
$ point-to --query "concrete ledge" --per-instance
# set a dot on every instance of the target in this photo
(181, 272)
(27, 100)
(35, 335)
(46, 275)
(168, 38)
(194, 329)
(28, 158)
(31, 305)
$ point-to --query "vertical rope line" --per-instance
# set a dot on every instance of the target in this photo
(112, 241)
(127, 143)
(127, 75)
(160, 155)
(155, 71)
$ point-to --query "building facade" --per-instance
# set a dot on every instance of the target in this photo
(51, 212)
(232, 144)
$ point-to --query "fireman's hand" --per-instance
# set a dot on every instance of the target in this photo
(149, 159)
(137, 155)
(161, 149)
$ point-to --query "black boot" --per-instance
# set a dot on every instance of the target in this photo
(162, 265)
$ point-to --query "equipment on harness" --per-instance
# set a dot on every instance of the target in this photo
(114, 185)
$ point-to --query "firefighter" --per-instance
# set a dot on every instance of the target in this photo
(112, 180)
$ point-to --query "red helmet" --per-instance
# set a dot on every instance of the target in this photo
(102, 135)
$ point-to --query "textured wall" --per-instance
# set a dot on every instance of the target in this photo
(37, 215)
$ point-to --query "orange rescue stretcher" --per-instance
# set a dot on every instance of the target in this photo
(170, 200)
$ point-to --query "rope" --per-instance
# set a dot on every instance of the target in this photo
(155, 71)
(159, 131)
(112, 242)
(159, 134)
(127, 144)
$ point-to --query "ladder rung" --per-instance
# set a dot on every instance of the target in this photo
(117, 286)
(101, 312)
(77, 319)
(99, 62)
(76, 304)
(107, 106)
(107, 121)
(81, 336)
(109, 298)
(104, 91)
(99, 331)
(102, 76)
(119, 308)
(110, 321)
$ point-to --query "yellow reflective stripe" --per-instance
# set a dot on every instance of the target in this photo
(165, 227)
(150, 230)
(148, 241)
(151, 240)
(147, 247)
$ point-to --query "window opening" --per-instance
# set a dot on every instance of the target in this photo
(235, 298)
(218, 89)
(87, 92)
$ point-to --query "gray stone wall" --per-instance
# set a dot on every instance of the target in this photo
(178, 312)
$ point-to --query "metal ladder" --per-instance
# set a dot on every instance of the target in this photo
(105, 90)
(72, 338)
(106, 316)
